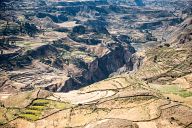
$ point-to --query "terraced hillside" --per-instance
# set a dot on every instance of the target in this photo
(168, 67)
(95, 64)
(121, 101)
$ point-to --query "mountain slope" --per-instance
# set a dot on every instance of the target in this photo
(95, 64)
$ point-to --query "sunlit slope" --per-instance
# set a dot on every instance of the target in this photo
(119, 101)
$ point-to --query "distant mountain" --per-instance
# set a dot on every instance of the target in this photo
(130, 2)
(139, 2)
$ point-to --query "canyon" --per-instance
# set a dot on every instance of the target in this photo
(95, 63)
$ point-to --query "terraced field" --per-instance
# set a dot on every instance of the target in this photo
(123, 99)
(166, 64)
(95, 64)
(31, 106)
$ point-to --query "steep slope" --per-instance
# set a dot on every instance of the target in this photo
(182, 34)
(168, 66)
(172, 58)
(76, 43)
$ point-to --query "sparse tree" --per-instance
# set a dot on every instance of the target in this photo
(1, 51)
(21, 22)
(155, 59)
(6, 27)
(30, 29)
